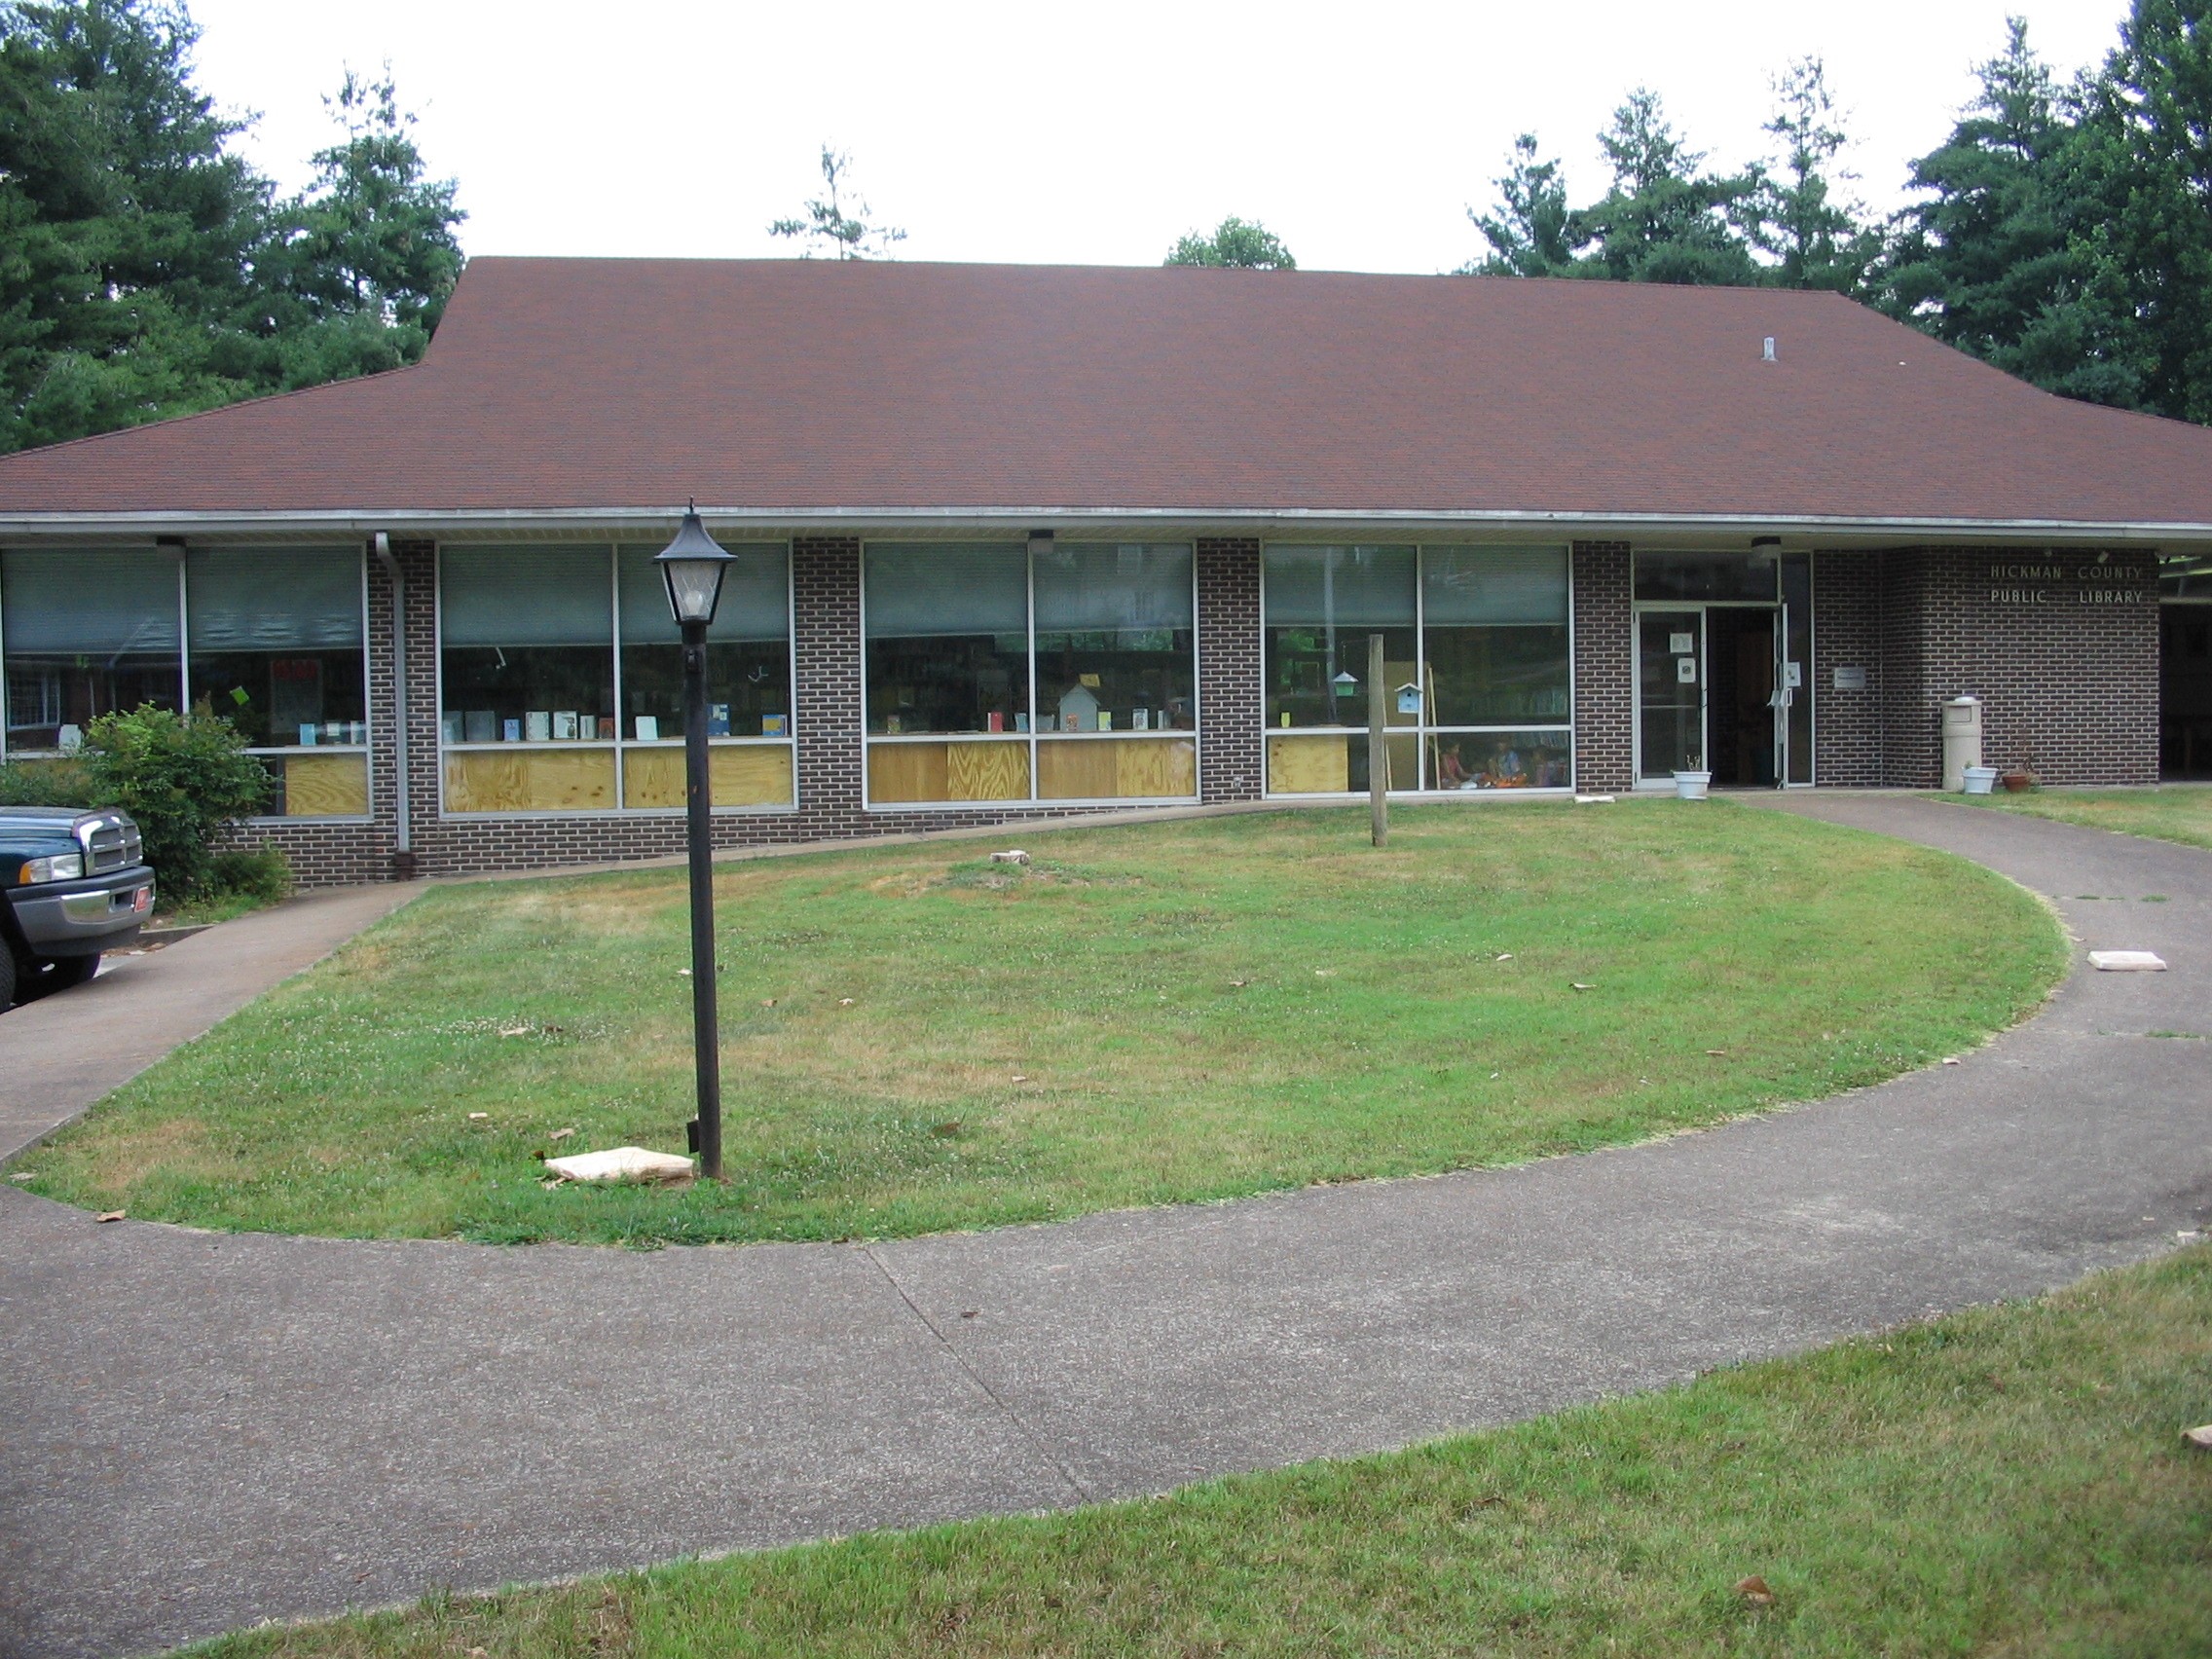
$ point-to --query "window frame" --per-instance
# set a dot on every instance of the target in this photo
(1423, 731)
(1032, 799)
(617, 744)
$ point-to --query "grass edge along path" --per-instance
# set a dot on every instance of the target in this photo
(2177, 813)
(915, 1041)
(2008, 1479)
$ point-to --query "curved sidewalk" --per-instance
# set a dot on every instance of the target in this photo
(197, 1430)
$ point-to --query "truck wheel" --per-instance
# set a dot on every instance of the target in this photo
(8, 976)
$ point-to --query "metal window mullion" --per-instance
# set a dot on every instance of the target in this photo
(1029, 560)
(614, 632)
(183, 640)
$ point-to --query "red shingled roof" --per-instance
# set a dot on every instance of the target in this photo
(597, 384)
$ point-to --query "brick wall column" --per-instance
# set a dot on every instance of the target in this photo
(1230, 711)
(1604, 668)
(1847, 633)
(825, 652)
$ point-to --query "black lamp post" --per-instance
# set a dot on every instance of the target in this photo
(692, 564)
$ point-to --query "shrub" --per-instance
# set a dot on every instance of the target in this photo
(47, 783)
(183, 779)
(261, 873)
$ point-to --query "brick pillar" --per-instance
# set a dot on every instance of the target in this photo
(826, 649)
(384, 735)
(418, 562)
(1229, 667)
(1604, 668)
(1847, 633)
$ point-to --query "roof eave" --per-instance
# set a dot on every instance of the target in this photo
(573, 522)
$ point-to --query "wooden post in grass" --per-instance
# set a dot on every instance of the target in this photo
(1378, 745)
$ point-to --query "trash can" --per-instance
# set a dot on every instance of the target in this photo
(1962, 740)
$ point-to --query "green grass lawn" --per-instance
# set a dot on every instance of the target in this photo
(2177, 812)
(2008, 1481)
(916, 1040)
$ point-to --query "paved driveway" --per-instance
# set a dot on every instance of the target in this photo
(197, 1431)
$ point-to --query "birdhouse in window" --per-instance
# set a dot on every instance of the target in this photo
(1346, 685)
(1079, 710)
(1409, 698)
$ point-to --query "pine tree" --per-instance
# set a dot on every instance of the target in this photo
(1527, 231)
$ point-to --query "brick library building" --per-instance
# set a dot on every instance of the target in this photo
(1023, 543)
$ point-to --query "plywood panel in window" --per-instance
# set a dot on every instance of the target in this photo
(1117, 769)
(739, 775)
(987, 771)
(530, 780)
(751, 777)
(326, 786)
(1309, 765)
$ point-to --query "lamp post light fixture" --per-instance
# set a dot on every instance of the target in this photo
(692, 565)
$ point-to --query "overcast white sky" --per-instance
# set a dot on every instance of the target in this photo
(1086, 133)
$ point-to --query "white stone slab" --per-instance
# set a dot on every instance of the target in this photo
(2126, 962)
(622, 1163)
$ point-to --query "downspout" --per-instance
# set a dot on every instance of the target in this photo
(403, 854)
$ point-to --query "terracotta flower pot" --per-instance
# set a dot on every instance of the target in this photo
(2018, 783)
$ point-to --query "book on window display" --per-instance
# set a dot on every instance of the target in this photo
(479, 726)
(538, 725)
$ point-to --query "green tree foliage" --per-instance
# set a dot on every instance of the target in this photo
(1987, 251)
(362, 262)
(147, 272)
(1665, 220)
(1814, 235)
(1245, 244)
(127, 232)
(183, 778)
(1529, 231)
(827, 227)
(2142, 244)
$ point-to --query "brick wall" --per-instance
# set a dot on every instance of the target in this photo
(2065, 659)
(1847, 633)
(1229, 700)
(1604, 736)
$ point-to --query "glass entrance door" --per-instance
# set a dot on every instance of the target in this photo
(1669, 671)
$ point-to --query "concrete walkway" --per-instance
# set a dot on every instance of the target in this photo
(62, 1053)
(199, 1431)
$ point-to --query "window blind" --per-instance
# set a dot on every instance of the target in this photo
(93, 603)
(1462, 585)
(929, 592)
(755, 602)
(1098, 587)
(525, 596)
(1358, 587)
(273, 599)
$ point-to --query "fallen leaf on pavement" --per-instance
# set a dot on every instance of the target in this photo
(110, 1215)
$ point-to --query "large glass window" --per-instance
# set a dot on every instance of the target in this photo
(1475, 674)
(277, 648)
(959, 639)
(541, 713)
(88, 631)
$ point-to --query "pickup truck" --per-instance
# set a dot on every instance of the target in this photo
(77, 886)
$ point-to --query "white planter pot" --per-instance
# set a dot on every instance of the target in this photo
(1691, 785)
(1980, 779)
